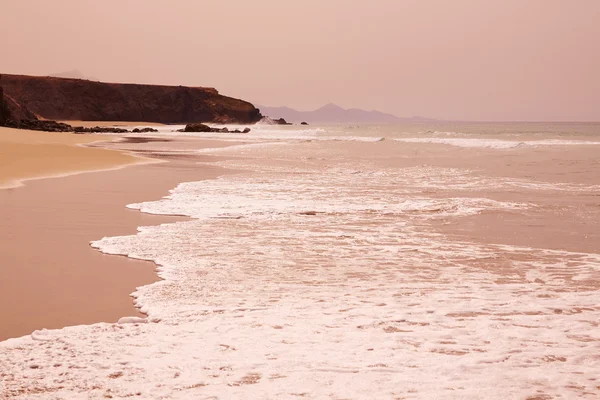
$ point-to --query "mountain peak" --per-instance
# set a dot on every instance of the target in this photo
(331, 107)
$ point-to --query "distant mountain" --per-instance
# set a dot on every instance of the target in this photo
(73, 74)
(334, 113)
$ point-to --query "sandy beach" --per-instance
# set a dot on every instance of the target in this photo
(51, 277)
(28, 155)
(335, 265)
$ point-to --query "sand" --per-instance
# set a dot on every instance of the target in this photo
(51, 277)
(28, 154)
(323, 274)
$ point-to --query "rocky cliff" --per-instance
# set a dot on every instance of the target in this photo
(11, 112)
(77, 99)
(3, 115)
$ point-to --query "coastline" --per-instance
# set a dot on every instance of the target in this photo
(29, 155)
(326, 261)
(54, 278)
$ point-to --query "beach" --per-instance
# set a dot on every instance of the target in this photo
(451, 262)
(51, 276)
(29, 155)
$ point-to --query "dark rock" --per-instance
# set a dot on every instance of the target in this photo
(308, 213)
(3, 112)
(99, 129)
(144, 130)
(281, 121)
(14, 115)
(11, 112)
(303, 123)
(197, 128)
(206, 128)
(41, 125)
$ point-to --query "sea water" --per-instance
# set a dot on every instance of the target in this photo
(335, 263)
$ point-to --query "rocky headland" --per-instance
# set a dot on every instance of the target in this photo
(15, 115)
(30, 101)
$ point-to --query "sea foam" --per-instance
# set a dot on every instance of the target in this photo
(320, 277)
(495, 143)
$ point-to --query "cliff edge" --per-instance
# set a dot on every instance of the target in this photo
(78, 99)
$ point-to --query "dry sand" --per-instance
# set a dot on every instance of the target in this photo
(51, 277)
(28, 154)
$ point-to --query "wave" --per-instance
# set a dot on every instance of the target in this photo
(495, 143)
(293, 281)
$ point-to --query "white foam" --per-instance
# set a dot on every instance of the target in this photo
(494, 143)
(327, 280)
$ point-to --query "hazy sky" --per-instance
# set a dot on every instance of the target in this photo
(455, 59)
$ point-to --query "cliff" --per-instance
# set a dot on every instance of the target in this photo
(77, 99)
(3, 111)
(11, 112)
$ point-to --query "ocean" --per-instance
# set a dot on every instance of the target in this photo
(416, 261)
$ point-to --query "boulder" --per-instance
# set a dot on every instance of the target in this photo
(246, 130)
(281, 121)
(197, 128)
(144, 130)
(303, 123)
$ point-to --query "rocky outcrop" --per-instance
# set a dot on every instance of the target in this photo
(11, 112)
(3, 113)
(206, 128)
(78, 99)
(99, 129)
(281, 121)
(43, 125)
(198, 128)
(144, 130)
(271, 121)
(15, 115)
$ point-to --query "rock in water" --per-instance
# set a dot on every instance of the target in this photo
(281, 121)
(144, 130)
(197, 128)
(100, 129)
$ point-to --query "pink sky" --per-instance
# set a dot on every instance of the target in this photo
(454, 59)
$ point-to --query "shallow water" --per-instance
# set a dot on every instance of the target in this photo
(336, 264)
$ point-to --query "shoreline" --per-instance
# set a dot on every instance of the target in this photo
(30, 155)
(66, 282)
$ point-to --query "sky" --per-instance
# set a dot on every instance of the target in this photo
(534, 60)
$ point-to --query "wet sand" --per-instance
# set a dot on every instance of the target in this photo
(51, 277)
(368, 270)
